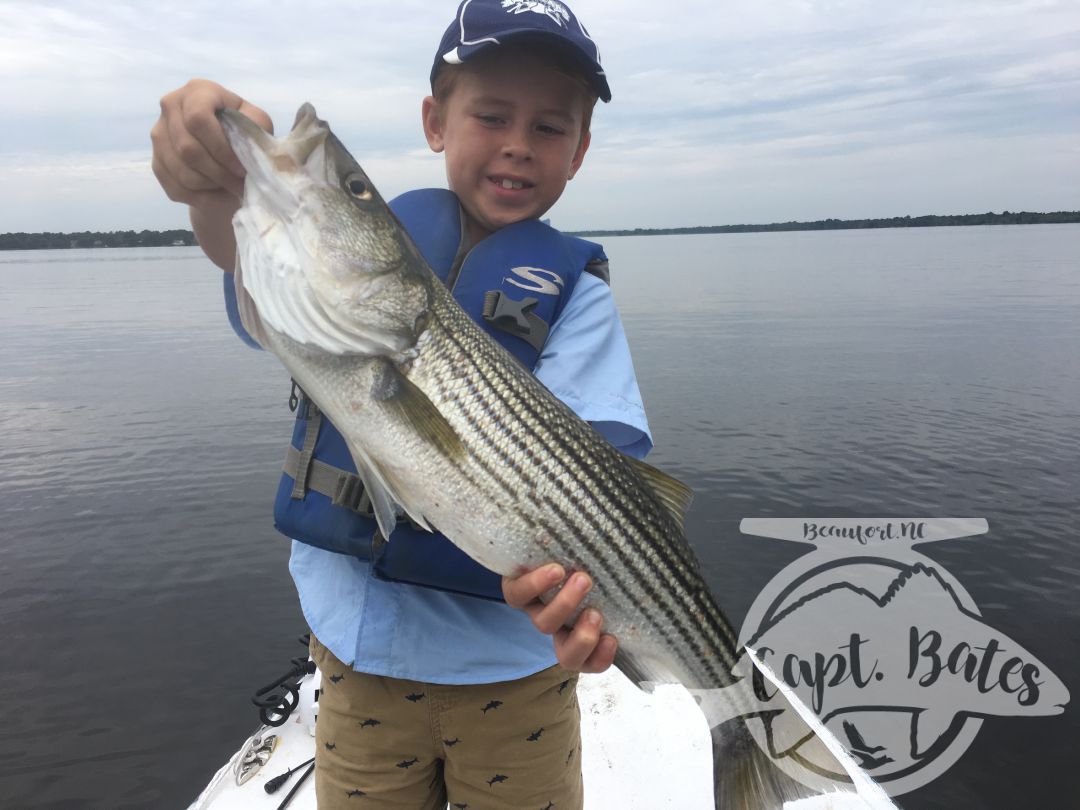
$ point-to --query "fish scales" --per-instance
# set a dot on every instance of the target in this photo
(607, 524)
(614, 501)
(446, 425)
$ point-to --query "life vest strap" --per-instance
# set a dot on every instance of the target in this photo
(302, 470)
(342, 487)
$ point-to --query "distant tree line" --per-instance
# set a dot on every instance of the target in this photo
(114, 239)
(91, 239)
(931, 220)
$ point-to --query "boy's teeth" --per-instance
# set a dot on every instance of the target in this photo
(512, 184)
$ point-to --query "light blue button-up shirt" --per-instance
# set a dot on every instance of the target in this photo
(403, 631)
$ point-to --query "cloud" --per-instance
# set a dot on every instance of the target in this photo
(927, 70)
(723, 111)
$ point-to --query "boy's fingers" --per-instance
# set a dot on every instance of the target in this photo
(603, 656)
(584, 649)
(181, 191)
(200, 117)
(204, 153)
(191, 151)
(198, 106)
(562, 609)
(259, 116)
(521, 591)
(180, 182)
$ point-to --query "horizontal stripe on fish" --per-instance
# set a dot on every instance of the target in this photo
(605, 506)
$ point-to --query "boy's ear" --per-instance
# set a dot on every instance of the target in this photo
(431, 113)
(579, 155)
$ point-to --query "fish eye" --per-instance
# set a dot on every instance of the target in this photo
(358, 188)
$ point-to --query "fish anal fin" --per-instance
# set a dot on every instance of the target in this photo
(628, 666)
(645, 673)
(673, 494)
(394, 391)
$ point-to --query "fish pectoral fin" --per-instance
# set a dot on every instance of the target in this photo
(397, 393)
(673, 494)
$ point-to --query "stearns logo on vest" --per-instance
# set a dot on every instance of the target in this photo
(542, 281)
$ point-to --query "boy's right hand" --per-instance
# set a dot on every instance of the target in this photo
(582, 647)
(192, 159)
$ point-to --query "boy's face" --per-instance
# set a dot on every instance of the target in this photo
(511, 131)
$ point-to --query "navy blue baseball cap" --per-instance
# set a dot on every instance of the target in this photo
(479, 24)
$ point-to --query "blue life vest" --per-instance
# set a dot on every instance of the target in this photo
(514, 284)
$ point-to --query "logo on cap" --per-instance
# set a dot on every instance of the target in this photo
(557, 12)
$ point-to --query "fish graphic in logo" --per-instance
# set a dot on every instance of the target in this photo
(555, 11)
(887, 648)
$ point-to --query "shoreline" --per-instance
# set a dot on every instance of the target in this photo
(48, 240)
(925, 221)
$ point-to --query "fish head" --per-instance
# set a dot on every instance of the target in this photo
(317, 233)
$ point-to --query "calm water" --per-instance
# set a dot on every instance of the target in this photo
(144, 593)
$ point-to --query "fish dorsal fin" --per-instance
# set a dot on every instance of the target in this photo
(397, 392)
(673, 494)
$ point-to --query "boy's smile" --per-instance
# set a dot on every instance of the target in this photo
(511, 132)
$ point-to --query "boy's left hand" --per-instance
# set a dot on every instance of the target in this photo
(582, 648)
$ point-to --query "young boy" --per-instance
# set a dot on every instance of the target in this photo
(430, 696)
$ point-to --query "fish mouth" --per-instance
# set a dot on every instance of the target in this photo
(276, 166)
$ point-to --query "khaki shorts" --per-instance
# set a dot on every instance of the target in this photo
(413, 745)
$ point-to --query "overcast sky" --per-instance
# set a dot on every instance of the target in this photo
(723, 112)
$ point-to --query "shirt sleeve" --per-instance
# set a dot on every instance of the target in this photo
(232, 309)
(586, 363)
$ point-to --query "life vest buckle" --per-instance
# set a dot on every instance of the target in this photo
(351, 494)
(515, 317)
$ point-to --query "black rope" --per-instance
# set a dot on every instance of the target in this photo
(277, 700)
(289, 796)
(273, 785)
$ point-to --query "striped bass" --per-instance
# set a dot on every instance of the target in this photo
(446, 426)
